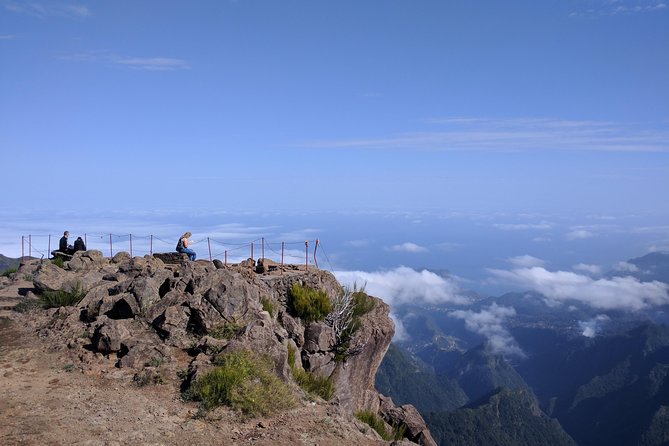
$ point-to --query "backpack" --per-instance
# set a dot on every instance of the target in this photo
(180, 245)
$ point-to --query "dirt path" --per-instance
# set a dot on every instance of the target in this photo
(48, 398)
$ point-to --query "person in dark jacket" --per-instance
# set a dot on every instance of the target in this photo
(63, 246)
(79, 245)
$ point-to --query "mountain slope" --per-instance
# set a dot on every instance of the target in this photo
(503, 417)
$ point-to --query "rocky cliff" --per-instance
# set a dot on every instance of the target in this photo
(141, 312)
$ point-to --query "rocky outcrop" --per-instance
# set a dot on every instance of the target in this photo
(141, 310)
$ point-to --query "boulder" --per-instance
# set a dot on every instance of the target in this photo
(294, 327)
(83, 260)
(320, 363)
(318, 337)
(110, 335)
(266, 266)
(171, 258)
(407, 415)
(120, 257)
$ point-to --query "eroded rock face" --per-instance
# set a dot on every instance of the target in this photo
(354, 378)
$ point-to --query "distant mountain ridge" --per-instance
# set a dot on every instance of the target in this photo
(569, 388)
(7, 263)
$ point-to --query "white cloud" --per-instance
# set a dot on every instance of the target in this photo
(594, 270)
(357, 243)
(580, 234)
(519, 134)
(523, 226)
(620, 7)
(153, 63)
(7, 37)
(408, 247)
(50, 9)
(405, 285)
(541, 239)
(525, 261)
(136, 63)
(626, 267)
(592, 326)
(615, 293)
(489, 323)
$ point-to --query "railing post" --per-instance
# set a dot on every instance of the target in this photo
(23, 249)
(263, 248)
(226, 258)
(283, 245)
(209, 244)
(315, 248)
(49, 250)
(30, 246)
(251, 250)
(130, 245)
(111, 248)
(151, 246)
(306, 256)
(85, 240)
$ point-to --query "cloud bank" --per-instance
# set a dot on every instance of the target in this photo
(525, 261)
(489, 323)
(617, 293)
(405, 285)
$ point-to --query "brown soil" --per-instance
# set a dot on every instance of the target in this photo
(52, 395)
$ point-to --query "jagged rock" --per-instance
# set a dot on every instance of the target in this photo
(143, 354)
(110, 336)
(318, 337)
(145, 291)
(320, 363)
(218, 264)
(171, 258)
(248, 263)
(212, 346)
(294, 328)
(49, 277)
(173, 325)
(120, 306)
(407, 415)
(82, 260)
(266, 266)
(231, 295)
(120, 257)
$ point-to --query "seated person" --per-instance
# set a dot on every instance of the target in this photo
(182, 246)
(79, 245)
(63, 246)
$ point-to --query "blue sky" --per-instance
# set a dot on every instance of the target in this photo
(343, 120)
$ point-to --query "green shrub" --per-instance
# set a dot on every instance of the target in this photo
(8, 272)
(310, 382)
(246, 382)
(62, 298)
(267, 305)
(362, 303)
(310, 304)
(59, 262)
(229, 330)
(375, 422)
(27, 305)
(28, 277)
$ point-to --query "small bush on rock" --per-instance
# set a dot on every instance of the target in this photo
(62, 298)
(310, 304)
(8, 272)
(310, 382)
(246, 382)
(229, 330)
(375, 422)
(59, 262)
(267, 305)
